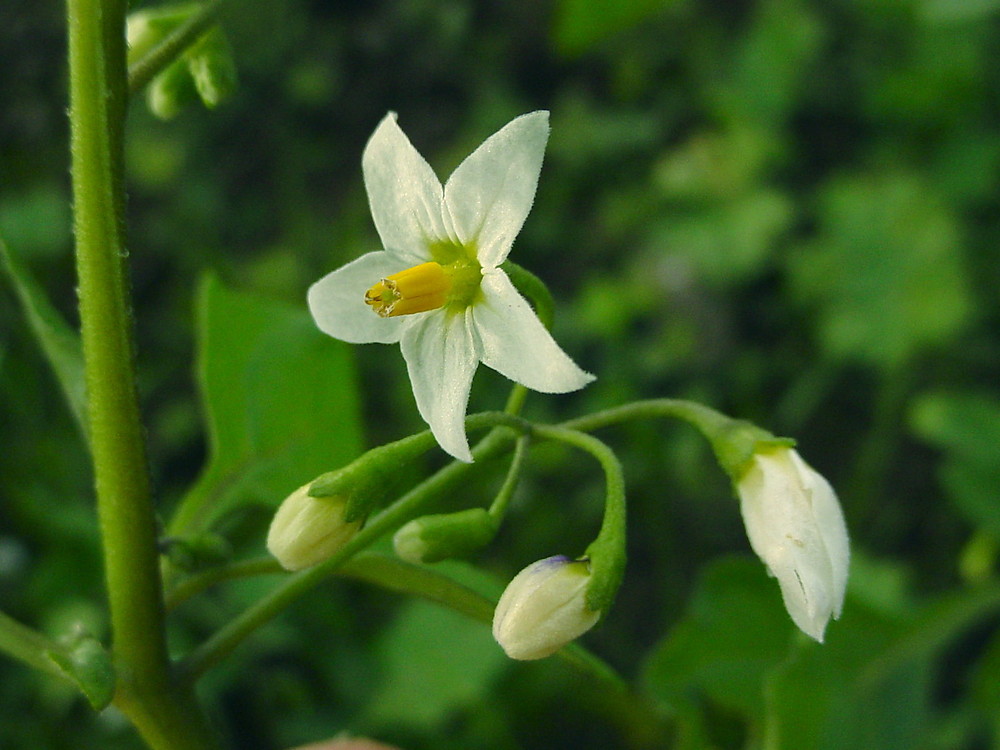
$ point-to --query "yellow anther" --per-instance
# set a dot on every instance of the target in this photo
(418, 289)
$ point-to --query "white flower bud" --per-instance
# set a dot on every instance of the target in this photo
(307, 530)
(796, 527)
(543, 608)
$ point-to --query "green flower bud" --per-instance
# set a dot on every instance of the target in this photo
(171, 91)
(308, 530)
(212, 68)
(147, 28)
(440, 537)
(543, 608)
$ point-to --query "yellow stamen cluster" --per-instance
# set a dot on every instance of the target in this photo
(418, 289)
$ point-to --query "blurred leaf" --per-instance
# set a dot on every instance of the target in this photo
(729, 242)
(870, 685)
(734, 631)
(434, 661)
(773, 62)
(886, 271)
(985, 687)
(37, 223)
(967, 427)
(280, 401)
(714, 165)
(59, 343)
(957, 11)
(579, 24)
(965, 424)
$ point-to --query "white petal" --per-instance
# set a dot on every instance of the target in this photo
(491, 192)
(543, 608)
(404, 194)
(778, 497)
(337, 301)
(441, 360)
(830, 518)
(512, 340)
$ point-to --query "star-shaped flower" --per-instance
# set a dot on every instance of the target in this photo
(437, 288)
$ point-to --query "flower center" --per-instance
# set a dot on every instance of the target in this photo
(418, 289)
(451, 280)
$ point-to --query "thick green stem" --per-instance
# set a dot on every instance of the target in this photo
(146, 692)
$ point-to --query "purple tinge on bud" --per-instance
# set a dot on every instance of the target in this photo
(543, 608)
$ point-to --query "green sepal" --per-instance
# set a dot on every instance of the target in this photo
(212, 67)
(444, 536)
(367, 481)
(88, 664)
(606, 559)
(735, 441)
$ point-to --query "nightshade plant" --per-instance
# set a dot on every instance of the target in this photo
(441, 287)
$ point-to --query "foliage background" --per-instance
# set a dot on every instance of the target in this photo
(786, 209)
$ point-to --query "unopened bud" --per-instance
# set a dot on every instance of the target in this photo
(307, 530)
(796, 527)
(212, 68)
(543, 608)
(171, 91)
(441, 537)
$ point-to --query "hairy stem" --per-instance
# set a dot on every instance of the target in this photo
(166, 716)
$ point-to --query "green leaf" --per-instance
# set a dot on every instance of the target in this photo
(280, 400)
(579, 24)
(734, 631)
(434, 662)
(729, 242)
(60, 344)
(886, 272)
(870, 685)
(967, 427)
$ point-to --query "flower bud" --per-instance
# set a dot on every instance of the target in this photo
(543, 608)
(307, 530)
(796, 527)
(170, 91)
(212, 68)
(441, 537)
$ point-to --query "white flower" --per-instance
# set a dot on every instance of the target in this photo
(796, 527)
(543, 608)
(307, 530)
(437, 288)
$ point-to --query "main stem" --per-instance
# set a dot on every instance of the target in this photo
(164, 714)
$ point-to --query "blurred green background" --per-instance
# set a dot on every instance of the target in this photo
(786, 209)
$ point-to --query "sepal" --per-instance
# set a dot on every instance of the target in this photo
(86, 662)
(307, 530)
